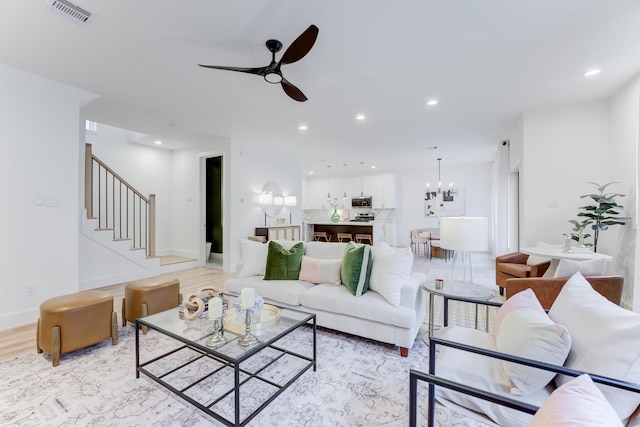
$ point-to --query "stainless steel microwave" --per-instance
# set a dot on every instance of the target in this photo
(361, 202)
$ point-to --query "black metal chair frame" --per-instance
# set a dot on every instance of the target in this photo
(432, 379)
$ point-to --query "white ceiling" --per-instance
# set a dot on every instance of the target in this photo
(485, 61)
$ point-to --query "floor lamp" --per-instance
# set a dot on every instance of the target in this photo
(464, 234)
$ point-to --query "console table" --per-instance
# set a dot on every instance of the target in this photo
(274, 232)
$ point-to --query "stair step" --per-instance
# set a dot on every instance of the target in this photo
(139, 249)
(122, 239)
(104, 229)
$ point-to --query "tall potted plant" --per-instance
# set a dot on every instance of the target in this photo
(604, 213)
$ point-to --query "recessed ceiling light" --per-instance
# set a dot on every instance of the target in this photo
(360, 117)
(302, 127)
(432, 102)
(373, 167)
(311, 173)
(157, 142)
(592, 73)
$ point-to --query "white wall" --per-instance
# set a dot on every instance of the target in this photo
(39, 130)
(476, 179)
(563, 149)
(187, 181)
(566, 147)
(624, 116)
(252, 167)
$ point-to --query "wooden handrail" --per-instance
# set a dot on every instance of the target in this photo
(131, 216)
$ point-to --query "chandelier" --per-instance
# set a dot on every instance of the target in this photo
(447, 195)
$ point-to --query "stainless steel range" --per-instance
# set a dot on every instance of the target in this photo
(363, 217)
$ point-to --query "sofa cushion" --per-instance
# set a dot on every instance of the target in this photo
(316, 270)
(279, 291)
(254, 258)
(516, 270)
(578, 403)
(356, 268)
(605, 339)
(325, 250)
(591, 267)
(485, 373)
(390, 271)
(370, 306)
(283, 264)
(531, 334)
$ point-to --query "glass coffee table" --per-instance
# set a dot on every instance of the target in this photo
(455, 288)
(232, 383)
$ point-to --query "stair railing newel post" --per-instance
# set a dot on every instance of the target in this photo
(88, 180)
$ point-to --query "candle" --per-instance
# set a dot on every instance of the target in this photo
(248, 296)
(215, 308)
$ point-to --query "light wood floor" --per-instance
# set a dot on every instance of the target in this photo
(22, 339)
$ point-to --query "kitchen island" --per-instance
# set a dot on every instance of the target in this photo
(378, 229)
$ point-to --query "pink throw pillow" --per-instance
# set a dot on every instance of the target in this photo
(316, 270)
(309, 269)
(578, 403)
(522, 300)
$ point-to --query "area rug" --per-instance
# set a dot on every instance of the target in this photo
(358, 382)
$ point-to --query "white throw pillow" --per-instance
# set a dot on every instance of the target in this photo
(529, 333)
(526, 299)
(254, 258)
(592, 267)
(578, 403)
(316, 270)
(390, 271)
(605, 340)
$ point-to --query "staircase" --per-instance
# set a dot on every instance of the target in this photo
(120, 225)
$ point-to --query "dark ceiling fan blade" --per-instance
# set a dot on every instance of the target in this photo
(292, 91)
(300, 46)
(261, 71)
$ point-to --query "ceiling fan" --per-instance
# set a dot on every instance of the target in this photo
(271, 73)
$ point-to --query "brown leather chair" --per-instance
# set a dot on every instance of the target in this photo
(514, 265)
(548, 288)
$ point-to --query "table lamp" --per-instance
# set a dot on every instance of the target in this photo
(464, 234)
(290, 201)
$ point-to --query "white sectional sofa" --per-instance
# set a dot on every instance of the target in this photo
(369, 315)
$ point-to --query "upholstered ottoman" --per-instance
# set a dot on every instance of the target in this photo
(71, 322)
(148, 296)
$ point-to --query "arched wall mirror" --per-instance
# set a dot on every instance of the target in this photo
(271, 200)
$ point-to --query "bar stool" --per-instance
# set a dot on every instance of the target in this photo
(321, 235)
(344, 237)
(360, 238)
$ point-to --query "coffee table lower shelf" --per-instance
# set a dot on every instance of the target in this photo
(216, 383)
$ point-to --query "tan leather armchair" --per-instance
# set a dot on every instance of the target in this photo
(548, 288)
(514, 265)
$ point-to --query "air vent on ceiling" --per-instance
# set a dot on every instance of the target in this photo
(71, 10)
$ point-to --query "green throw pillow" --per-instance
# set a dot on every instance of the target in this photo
(356, 268)
(283, 264)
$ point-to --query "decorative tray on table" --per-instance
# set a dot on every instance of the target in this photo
(235, 322)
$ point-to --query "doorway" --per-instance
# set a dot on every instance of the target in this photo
(213, 212)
